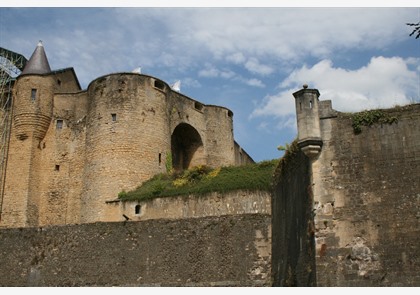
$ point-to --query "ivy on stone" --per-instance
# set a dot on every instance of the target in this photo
(368, 118)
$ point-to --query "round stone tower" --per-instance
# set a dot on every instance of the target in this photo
(33, 97)
(127, 139)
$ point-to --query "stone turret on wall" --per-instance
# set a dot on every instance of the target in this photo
(307, 114)
(33, 97)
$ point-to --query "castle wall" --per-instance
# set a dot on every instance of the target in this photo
(66, 81)
(212, 204)
(220, 143)
(63, 156)
(5, 123)
(293, 248)
(367, 200)
(241, 156)
(15, 198)
(210, 251)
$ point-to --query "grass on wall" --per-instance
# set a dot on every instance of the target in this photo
(202, 179)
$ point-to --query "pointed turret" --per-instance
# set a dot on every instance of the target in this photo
(38, 63)
(33, 98)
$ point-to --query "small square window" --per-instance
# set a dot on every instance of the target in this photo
(59, 124)
(57, 167)
(114, 117)
(198, 106)
(33, 94)
(137, 209)
(159, 84)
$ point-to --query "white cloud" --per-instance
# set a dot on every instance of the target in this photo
(236, 58)
(292, 33)
(254, 66)
(251, 36)
(227, 74)
(212, 72)
(209, 72)
(383, 83)
(279, 105)
(190, 82)
(255, 82)
(257, 39)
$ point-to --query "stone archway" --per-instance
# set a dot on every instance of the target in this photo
(186, 147)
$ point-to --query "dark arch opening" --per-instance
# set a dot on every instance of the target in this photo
(186, 147)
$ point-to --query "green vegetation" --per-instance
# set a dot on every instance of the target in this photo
(168, 162)
(202, 179)
(368, 118)
(290, 151)
(285, 147)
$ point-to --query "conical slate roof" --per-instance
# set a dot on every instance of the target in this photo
(38, 63)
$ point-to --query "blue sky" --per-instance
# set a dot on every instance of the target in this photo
(249, 60)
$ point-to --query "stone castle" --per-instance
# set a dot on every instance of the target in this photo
(77, 149)
(344, 209)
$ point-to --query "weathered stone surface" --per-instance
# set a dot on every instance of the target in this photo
(363, 194)
(211, 251)
(212, 204)
(293, 250)
(367, 200)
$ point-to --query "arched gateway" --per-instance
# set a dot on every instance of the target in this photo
(186, 147)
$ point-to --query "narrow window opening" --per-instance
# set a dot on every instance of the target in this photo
(114, 117)
(59, 124)
(300, 105)
(160, 159)
(137, 209)
(230, 114)
(159, 84)
(310, 104)
(59, 82)
(57, 167)
(33, 94)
